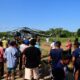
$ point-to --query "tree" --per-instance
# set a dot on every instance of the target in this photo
(65, 33)
(58, 31)
(78, 32)
(3, 34)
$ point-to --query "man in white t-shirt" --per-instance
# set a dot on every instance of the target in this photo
(53, 45)
(47, 40)
(23, 46)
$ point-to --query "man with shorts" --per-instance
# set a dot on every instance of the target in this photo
(32, 57)
(10, 56)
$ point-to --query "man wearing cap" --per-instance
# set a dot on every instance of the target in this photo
(23, 46)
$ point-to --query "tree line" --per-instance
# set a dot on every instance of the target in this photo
(57, 32)
(5, 34)
(60, 32)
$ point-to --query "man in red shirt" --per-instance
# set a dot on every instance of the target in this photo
(69, 46)
(1, 60)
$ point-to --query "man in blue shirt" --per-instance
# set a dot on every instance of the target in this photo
(11, 58)
(55, 56)
(76, 60)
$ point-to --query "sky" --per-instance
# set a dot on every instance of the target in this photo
(39, 14)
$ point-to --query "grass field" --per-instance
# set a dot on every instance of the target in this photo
(45, 47)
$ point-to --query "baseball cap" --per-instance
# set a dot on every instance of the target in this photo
(26, 42)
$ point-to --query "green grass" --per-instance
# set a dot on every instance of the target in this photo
(46, 48)
(59, 39)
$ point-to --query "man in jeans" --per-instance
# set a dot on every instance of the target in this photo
(10, 56)
(32, 55)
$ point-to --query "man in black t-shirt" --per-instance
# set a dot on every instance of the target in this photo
(32, 55)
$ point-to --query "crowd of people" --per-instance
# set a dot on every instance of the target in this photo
(26, 56)
(65, 64)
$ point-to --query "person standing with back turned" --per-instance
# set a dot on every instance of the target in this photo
(32, 57)
(76, 60)
(11, 58)
(1, 60)
(55, 57)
